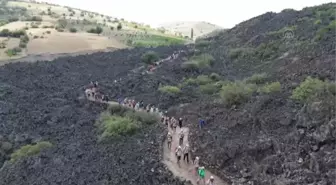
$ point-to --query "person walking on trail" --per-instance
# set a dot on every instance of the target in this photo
(178, 153)
(169, 139)
(148, 108)
(196, 164)
(166, 120)
(181, 137)
(180, 122)
(201, 123)
(137, 106)
(186, 152)
(152, 109)
(142, 104)
(201, 174)
(211, 181)
(174, 124)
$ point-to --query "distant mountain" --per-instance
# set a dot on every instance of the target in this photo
(184, 28)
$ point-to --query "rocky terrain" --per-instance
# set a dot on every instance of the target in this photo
(267, 138)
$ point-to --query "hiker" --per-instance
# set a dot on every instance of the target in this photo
(142, 104)
(201, 174)
(95, 84)
(174, 124)
(133, 104)
(211, 181)
(186, 152)
(152, 109)
(178, 153)
(148, 108)
(180, 122)
(169, 140)
(162, 119)
(137, 106)
(105, 98)
(181, 136)
(201, 123)
(166, 120)
(196, 164)
(125, 102)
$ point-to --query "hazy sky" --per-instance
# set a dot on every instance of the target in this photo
(225, 13)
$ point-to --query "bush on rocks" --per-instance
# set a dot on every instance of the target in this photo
(257, 78)
(170, 89)
(236, 92)
(150, 57)
(29, 150)
(312, 88)
(122, 121)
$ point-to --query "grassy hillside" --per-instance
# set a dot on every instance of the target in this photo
(55, 29)
(184, 28)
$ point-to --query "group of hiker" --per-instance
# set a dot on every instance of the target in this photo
(92, 92)
(184, 150)
(139, 106)
(174, 56)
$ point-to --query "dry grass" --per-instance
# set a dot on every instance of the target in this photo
(63, 42)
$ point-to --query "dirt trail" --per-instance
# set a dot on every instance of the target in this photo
(186, 171)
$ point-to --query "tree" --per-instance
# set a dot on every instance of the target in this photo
(73, 30)
(112, 28)
(119, 27)
(192, 33)
(99, 30)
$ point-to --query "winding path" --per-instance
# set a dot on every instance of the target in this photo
(185, 171)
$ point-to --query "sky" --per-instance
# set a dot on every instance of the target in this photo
(225, 13)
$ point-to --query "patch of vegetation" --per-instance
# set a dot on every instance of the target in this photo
(15, 34)
(121, 121)
(119, 27)
(257, 79)
(210, 89)
(98, 30)
(156, 40)
(29, 150)
(309, 89)
(270, 88)
(201, 43)
(150, 57)
(172, 90)
(198, 62)
(34, 18)
(238, 92)
(330, 29)
(48, 32)
(238, 53)
(73, 30)
(13, 52)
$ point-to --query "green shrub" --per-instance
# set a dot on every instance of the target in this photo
(199, 43)
(116, 126)
(190, 81)
(13, 52)
(209, 88)
(170, 89)
(73, 30)
(313, 88)
(29, 150)
(35, 26)
(119, 27)
(203, 79)
(215, 76)
(271, 87)
(236, 92)
(198, 61)
(257, 78)
(48, 32)
(240, 53)
(34, 18)
(22, 45)
(150, 57)
(122, 121)
(98, 30)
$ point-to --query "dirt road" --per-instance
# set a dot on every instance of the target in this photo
(186, 171)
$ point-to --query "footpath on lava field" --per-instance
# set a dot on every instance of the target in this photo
(185, 171)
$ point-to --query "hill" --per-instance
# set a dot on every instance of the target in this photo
(184, 28)
(265, 89)
(49, 28)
